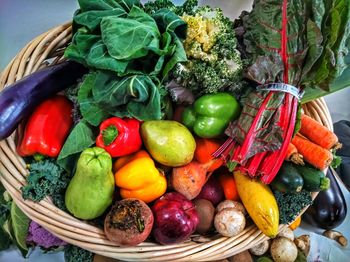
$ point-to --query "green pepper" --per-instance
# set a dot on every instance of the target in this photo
(210, 114)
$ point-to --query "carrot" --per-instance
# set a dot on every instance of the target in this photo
(317, 156)
(293, 155)
(203, 154)
(228, 183)
(296, 223)
(318, 133)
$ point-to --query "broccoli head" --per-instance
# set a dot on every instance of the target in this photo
(214, 63)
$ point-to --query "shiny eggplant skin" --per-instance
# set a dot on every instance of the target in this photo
(329, 208)
(20, 99)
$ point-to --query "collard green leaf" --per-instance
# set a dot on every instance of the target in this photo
(92, 5)
(81, 44)
(168, 21)
(80, 138)
(178, 56)
(99, 57)
(135, 96)
(92, 19)
(89, 109)
(20, 225)
(127, 39)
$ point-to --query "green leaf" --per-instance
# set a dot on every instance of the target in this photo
(178, 56)
(80, 138)
(127, 38)
(20, 225)
(168, 21)
(135, 96)
(89, 109)
(99, 57)
(92, 5)
(92, 19)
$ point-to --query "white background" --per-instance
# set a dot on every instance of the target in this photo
(22, 20)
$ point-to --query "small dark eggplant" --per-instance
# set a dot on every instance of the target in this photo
(20, 99)
(329, 208)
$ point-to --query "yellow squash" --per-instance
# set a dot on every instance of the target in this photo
(259, 202)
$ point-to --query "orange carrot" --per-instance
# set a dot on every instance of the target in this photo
(203, 154)
(317, 133)
(293, 155)
(296, 223)
(315, 155)
(228, 183)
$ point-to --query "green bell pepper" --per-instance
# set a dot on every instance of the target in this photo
(210, 114)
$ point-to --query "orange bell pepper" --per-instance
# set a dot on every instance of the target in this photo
(137, 177)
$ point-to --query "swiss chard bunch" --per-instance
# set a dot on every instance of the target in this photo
(289, 42)
(129, 52)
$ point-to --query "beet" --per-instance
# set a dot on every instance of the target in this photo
(212, 191)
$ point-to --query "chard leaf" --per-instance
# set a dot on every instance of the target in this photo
(269, 136)
(266, 32)
(134, 96)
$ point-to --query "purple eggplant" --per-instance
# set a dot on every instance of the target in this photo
(20, 99)
(329, 208)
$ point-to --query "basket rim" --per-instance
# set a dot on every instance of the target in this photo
(13, 172)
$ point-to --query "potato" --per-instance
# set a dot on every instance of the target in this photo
(206, 211)
(129, 222)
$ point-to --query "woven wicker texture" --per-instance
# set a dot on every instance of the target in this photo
(46, 49)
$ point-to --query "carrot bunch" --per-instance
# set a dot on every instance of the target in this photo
(313, 143)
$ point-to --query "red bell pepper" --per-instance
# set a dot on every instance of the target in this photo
(47, 128)
(119, 137)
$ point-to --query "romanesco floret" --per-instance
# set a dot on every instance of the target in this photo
(214, 63)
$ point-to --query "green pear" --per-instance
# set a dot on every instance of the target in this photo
(90, 192)
(169, 142)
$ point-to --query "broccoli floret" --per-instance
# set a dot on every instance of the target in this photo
(290, 204)
(214, 63)
(77, 254)
(45, 178)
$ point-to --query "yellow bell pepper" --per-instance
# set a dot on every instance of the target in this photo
(137, 177)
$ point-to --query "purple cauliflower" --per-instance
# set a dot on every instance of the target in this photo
(39, 236)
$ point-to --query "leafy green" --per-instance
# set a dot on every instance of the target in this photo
(20, 225)
(5, 240)
(46, 178)
(318, 33)
(130, 51)
(290, 204)
(77, 254)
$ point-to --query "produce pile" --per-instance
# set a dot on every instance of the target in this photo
(168, 121)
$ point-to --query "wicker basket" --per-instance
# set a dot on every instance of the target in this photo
(46, 49)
